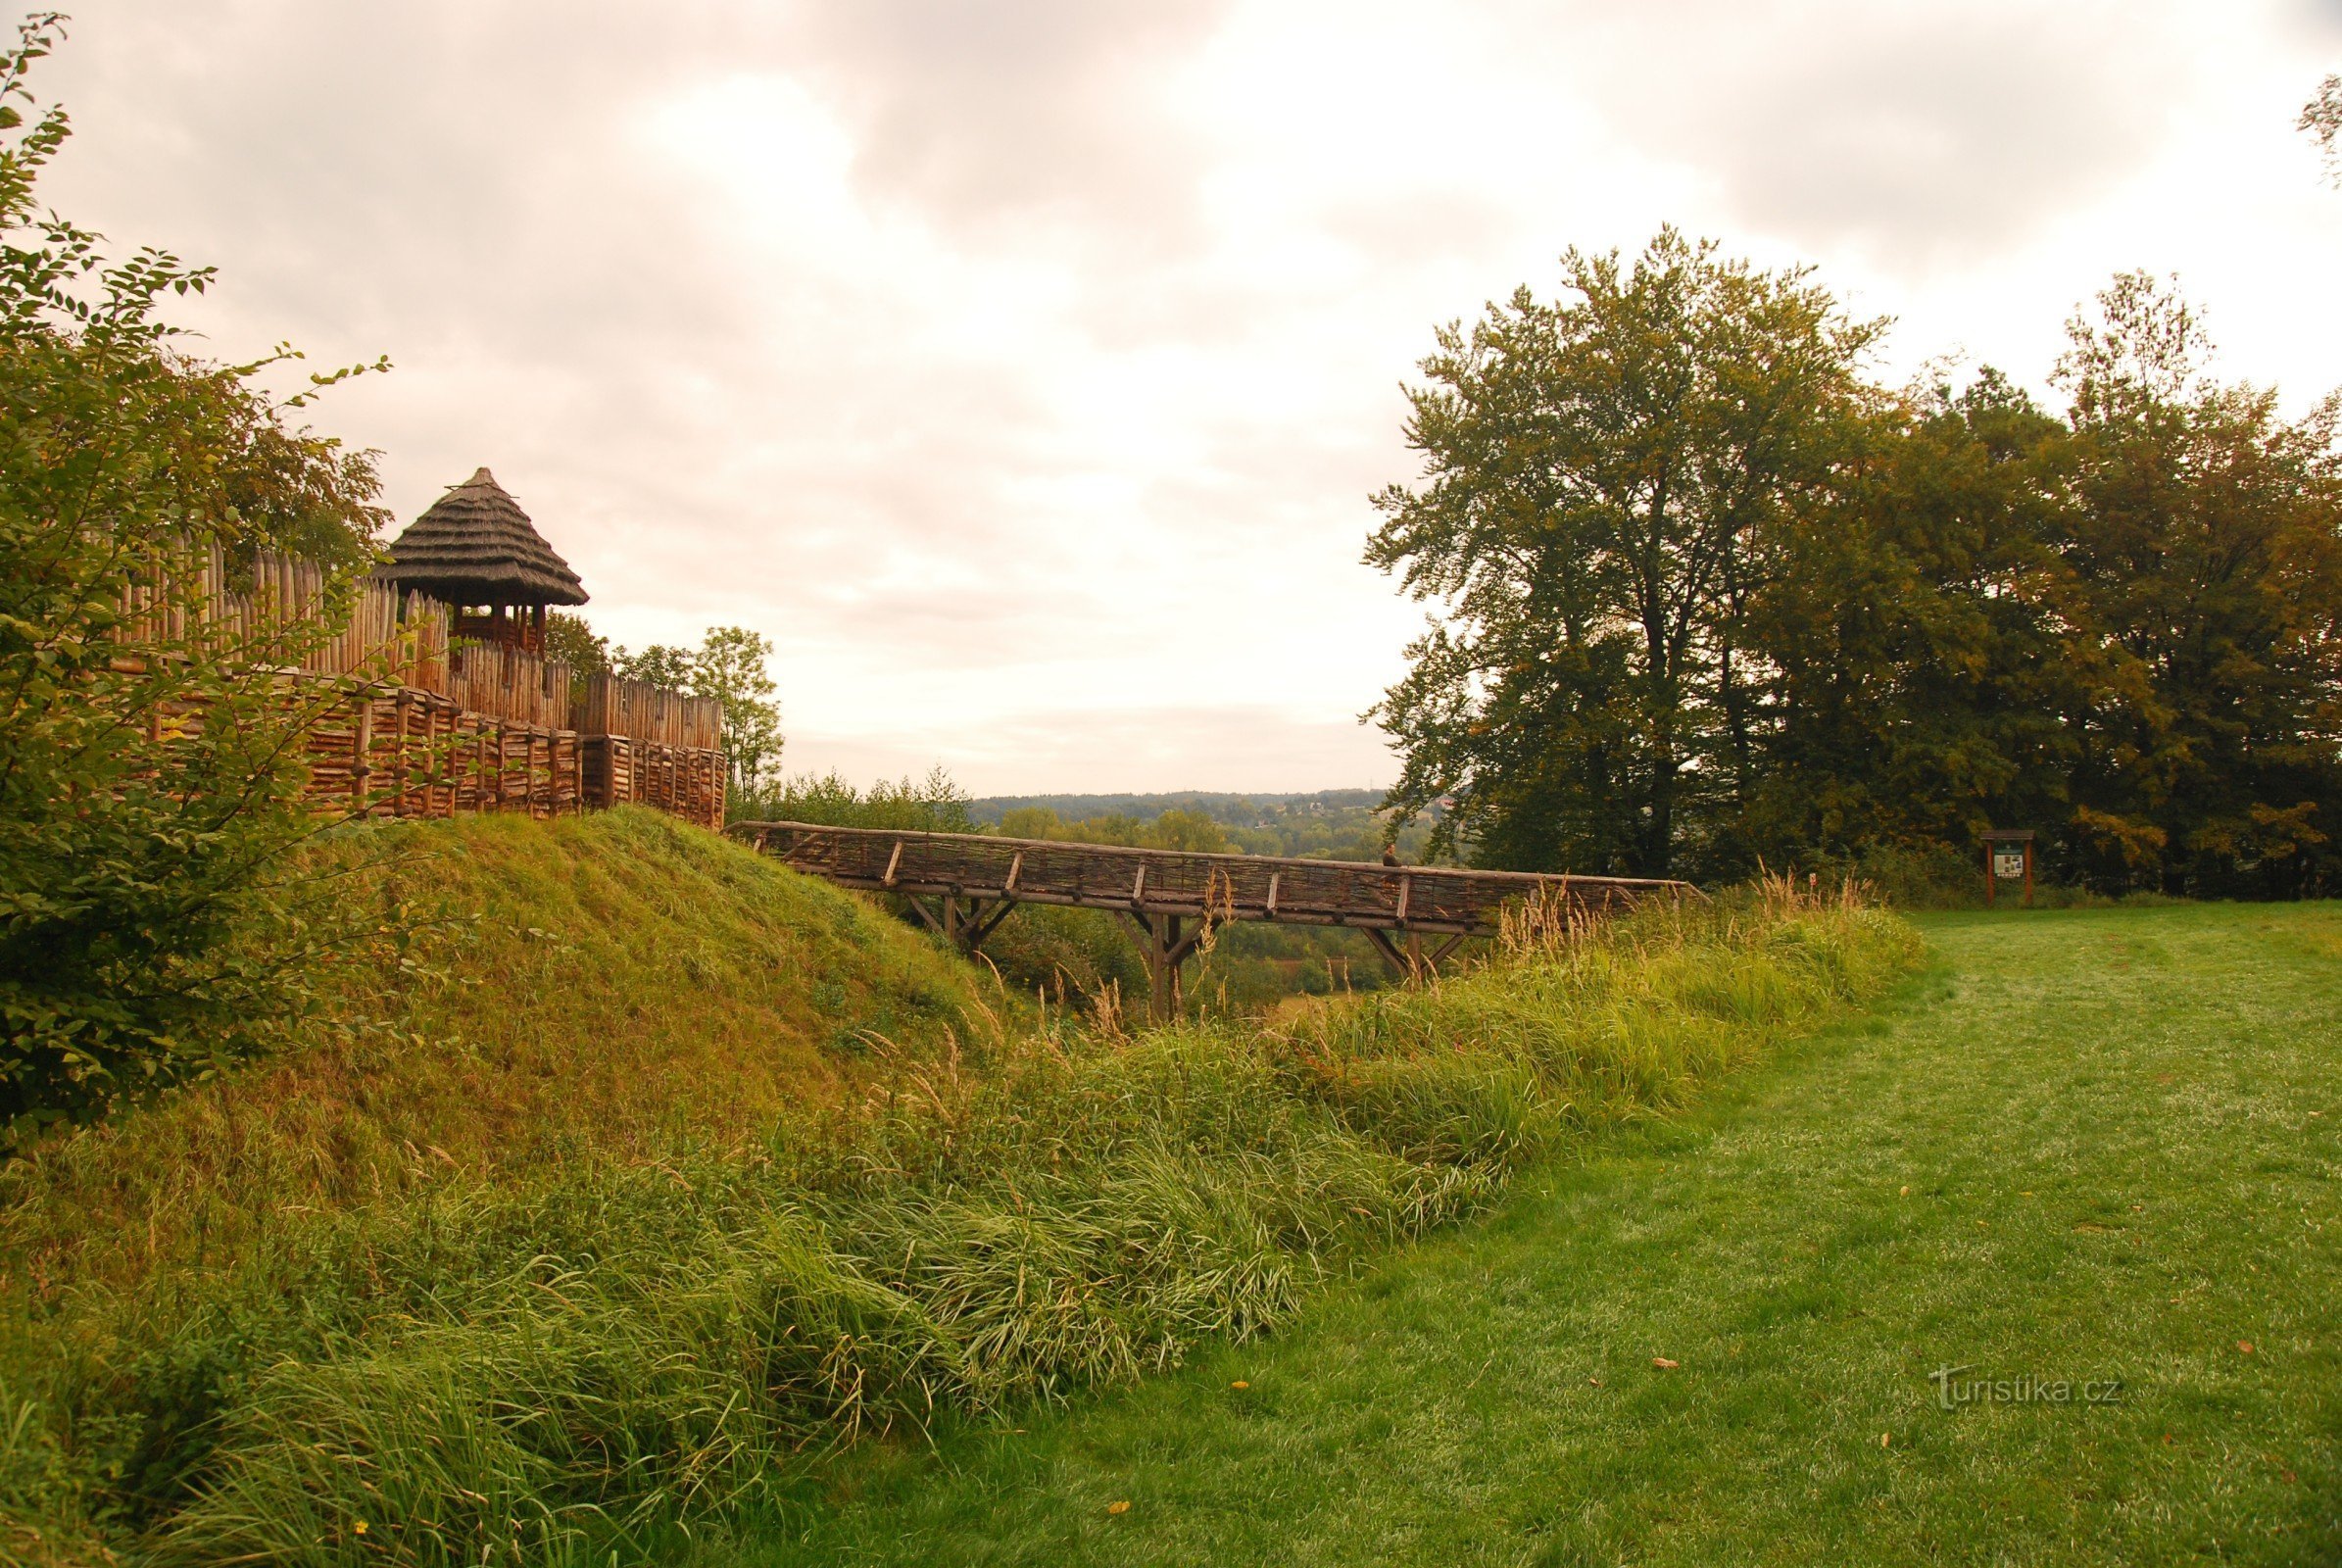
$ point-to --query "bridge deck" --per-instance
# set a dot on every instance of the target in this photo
(1174, 883)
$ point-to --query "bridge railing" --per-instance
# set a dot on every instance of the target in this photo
(1216, 887)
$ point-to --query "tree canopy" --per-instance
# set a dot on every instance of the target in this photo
(1706, 596)
(1600, 478)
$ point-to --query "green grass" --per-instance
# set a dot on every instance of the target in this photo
(578, 1356)
(591, 989)
(2087, 1145)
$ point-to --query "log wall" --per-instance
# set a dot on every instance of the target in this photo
(433, 725)
(685, 781)
(394, 751)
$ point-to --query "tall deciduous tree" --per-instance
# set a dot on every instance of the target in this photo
(1912, 622)
(2205, 548)
(1601, 477)
(730, 667)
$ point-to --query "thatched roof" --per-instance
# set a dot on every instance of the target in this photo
(476, 546)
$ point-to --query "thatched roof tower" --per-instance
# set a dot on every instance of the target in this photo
(476, 550)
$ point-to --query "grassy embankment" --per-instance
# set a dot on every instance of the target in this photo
(689, 1170)
(2094, 1145)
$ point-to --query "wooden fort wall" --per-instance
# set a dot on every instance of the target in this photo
(423, 724)
(399, 752)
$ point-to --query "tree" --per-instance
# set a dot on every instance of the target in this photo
(729, 667)
(658, 664)
(569, 640)
(151, 921)
(2206, 559)
(1911, 621)
(1600, 478)
(2321, 118)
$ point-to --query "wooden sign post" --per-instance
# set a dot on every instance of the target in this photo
(2009, 854)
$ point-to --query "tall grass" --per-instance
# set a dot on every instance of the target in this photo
(566, 1366)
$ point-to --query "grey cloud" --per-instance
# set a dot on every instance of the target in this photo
(1922, 134)
(991, 110)
(716, 423)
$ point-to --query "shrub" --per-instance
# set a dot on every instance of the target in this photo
(148, 794)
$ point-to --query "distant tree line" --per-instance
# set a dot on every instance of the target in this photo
(1707, 595)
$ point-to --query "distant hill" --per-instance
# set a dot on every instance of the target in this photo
(1229, 810)
(1321, 824)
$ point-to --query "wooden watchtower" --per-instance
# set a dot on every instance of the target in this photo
(476, 550)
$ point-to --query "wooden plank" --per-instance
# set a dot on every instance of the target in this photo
(398, 752)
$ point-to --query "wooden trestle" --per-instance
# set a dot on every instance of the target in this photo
(1173, 897)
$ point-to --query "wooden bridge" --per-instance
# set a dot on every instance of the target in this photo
(963, 885)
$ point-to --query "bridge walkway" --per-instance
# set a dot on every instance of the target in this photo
(963, 885)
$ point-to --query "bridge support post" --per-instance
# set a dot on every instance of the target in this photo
(1411, 963)
(1166, 944)
(1162, 969)
(964, 923)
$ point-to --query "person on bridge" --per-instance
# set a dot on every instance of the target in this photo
(1391, 855)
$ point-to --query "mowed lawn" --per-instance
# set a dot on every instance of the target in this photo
(2089, 1147)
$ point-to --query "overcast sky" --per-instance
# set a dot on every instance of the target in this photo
(1023, 369)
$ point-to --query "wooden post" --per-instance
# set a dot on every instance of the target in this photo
(1164, 947)
(1990, 875)
(397, 751)
(1163, 971)
(362, 750)
(2028, 873)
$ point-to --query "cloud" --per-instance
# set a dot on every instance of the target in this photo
(989, 113)
(1924, 135)
(1022, 369)
(1237, 745)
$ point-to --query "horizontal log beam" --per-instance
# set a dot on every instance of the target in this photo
(1157, 884)
(1285, 914)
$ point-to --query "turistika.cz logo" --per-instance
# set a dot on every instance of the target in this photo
(1952, 1390)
